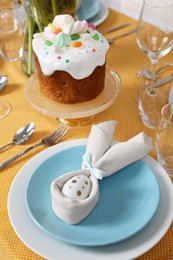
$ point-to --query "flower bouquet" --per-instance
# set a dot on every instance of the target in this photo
(39, 15)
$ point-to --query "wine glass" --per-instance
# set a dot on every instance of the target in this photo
(155, 32)
(12, 26)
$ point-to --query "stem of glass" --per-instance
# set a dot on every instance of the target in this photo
(151, 89)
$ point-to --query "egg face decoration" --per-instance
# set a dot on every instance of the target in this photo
(77, 187)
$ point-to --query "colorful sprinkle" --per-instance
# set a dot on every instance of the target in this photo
(94, 50)
(67, 61)
(91, 25)
(48, 43)
(59, 57)
(57, 30)
(75, 37)
(77, 44)
(96, 37)
(51, 25)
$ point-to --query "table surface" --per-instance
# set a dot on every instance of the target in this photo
(125, 58)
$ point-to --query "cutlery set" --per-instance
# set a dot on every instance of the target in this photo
(161, 82)
(147, 73)
(23, 134)
(3, 82)
(111, 40)
(112, 29)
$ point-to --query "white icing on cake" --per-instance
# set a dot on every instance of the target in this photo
(71, 46)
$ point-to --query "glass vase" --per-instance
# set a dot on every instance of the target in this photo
(39, 15)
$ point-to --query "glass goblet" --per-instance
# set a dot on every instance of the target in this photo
(155, 31)
(164, 139)
(150, 106)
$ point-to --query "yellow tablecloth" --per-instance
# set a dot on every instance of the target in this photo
(125, 58)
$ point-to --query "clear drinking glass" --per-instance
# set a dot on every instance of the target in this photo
(155, 31)
(151, 104)
(12, 29)
(164, 139)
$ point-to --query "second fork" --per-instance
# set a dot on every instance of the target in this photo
(111, 40)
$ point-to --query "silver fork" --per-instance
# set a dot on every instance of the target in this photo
(111, 40)
(147, 73)
(49, 140)
(115, 28)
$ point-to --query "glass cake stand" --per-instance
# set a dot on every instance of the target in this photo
(74, 114)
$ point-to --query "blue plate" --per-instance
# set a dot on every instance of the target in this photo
(128, 201)
(88, 9)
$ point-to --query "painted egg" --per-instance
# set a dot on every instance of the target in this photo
(77, 187)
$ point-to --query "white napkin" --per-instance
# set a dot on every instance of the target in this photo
(102, 158)
(100, 139)
(132, 8)
(69, 210)
(110, 159)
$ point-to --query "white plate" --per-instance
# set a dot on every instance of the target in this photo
(101, 16)
(51, 248)
(133, 195)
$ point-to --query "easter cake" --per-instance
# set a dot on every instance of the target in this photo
(70, 59)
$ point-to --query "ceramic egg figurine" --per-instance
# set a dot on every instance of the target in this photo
(77, 187)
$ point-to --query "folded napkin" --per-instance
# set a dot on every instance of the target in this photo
(75, 194)
(132, 8)
(110, 159)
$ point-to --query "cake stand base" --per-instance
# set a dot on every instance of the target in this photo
(77, 121)
(78, 114)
